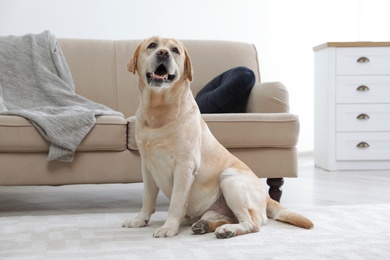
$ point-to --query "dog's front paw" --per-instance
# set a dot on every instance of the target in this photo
(165, 232)
(134, 223)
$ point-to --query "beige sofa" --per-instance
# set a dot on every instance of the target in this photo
(265, 137)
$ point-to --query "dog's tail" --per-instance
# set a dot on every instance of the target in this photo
(277, 212)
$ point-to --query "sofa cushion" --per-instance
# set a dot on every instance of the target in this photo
(272, 130)
(17, 134)
(227, 93)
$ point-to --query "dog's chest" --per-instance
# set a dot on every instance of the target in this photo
(155, 146)
(157, 150)
(166, 149)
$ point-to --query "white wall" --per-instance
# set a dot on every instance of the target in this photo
(284, 31)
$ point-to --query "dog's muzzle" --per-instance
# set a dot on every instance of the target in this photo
(160, 76)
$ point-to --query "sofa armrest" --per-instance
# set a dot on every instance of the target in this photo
(268, 97)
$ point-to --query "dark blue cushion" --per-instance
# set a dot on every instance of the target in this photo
(228, 92)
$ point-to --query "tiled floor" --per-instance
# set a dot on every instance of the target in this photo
(314, 187)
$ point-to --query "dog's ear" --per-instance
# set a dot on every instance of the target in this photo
(132, 65)
(187, 66)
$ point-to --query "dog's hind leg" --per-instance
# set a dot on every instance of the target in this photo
(209, 222)
(246, 199)
(244, 226)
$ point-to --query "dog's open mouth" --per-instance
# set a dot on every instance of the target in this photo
(159, 76)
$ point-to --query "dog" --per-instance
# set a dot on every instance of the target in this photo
(180, 156)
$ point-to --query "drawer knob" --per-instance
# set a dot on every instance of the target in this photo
(362, 117)
(362, 145)
(363, 60)
(363, 88)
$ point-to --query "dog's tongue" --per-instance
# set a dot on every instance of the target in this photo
(160, 77)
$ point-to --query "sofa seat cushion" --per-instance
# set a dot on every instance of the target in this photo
(17, 134)
(272, 130)
(247, 130)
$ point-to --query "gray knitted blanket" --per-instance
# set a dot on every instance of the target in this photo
(36, 83)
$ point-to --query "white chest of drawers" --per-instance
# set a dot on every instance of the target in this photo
(352, 106)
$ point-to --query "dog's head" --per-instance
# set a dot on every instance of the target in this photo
(160, 62)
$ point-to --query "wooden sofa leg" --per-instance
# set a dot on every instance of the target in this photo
(275, 188)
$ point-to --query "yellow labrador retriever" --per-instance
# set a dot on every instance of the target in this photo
(182, 158)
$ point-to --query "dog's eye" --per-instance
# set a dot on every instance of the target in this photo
(152, 45)
(176, 50)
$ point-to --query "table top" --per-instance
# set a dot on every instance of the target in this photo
(351, 44)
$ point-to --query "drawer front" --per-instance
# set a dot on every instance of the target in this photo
(363, 89)
(362, 146)
(360, 118)
(363, 61)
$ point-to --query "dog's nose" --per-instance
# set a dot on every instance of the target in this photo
(163, 54)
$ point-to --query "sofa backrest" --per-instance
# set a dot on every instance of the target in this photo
(99, 67)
